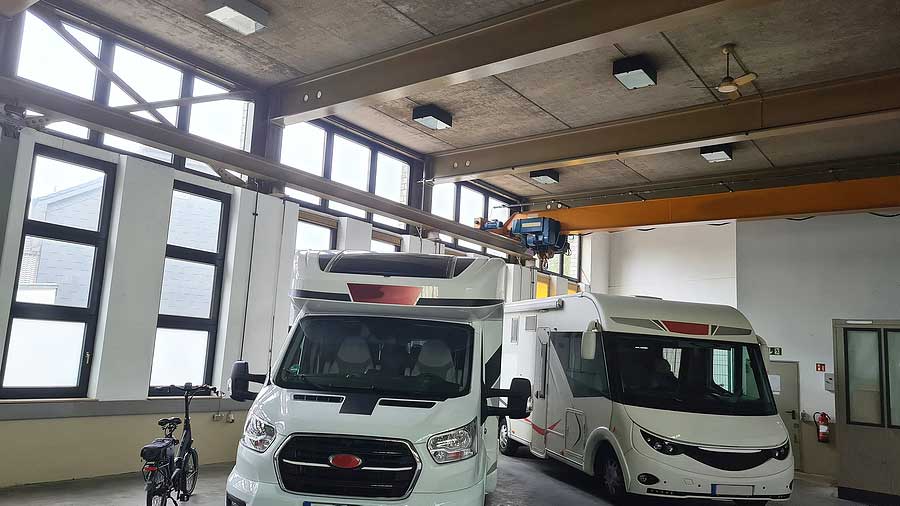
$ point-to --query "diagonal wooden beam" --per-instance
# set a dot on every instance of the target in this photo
(544, 32)
(854, 101)
(56, 25)
(800, 200)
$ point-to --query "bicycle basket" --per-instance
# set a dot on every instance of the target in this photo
(157, 451)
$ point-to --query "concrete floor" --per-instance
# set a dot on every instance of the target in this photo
(524, 481)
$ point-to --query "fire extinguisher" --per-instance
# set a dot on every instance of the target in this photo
(822, 420)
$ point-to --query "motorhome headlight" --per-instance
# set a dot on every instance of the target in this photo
(454, 445)
(661, 445)
(782, 451)
(258, 435)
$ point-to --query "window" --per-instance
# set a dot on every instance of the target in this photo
(303, 147)
(391, 182)
(47, 58)
(350, 166)
(383, 247)
(864, 388)
(464, 203)
(60, 274)
(153, 81)
(192, 279)
(568, 265)
(314, 237)
(471, 207)
(892, 338)
(587, 378)
(443, 204)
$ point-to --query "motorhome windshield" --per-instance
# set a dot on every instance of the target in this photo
(691, 375)
(391, 356)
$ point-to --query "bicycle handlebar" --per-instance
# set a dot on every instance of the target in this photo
(189, 388)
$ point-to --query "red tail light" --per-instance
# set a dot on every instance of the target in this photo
(697, 329)
(151, 468)
(384, 294)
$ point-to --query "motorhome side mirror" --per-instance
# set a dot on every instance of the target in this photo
(519, 393)
(589, 344)
(239, 383)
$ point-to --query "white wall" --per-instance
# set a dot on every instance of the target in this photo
(595, 258)
(794, 277)
(694, 263)
(354, 234)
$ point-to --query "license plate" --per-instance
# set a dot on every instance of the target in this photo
(732, 490)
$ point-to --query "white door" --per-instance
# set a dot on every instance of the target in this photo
(538, 418)
(785, 380)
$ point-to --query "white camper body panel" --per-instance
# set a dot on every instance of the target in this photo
(541, 335)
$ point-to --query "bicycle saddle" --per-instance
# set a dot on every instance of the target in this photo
(169, 421)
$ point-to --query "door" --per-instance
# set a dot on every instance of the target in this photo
(538, 418)
(785, 380)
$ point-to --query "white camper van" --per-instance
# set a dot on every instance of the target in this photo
(385, 391)
(658, 398)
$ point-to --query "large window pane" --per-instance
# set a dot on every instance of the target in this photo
(893, 370)
(187, 288)
(471, 207)
(65, 194)
(497, 210)
(63, 127)
(303, 147)
(570, 261)
(383, 247)
(194, 221)
(313, 237)
(55, 272)
(179, 357)
(44, 353)
(47, 58)
(391, 182)
(863, 376)
(553, 264)
(350, 166)
(153, 81)
(223, 121)
(443, 201)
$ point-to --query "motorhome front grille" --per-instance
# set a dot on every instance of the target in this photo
(729, 461)
(387, 469)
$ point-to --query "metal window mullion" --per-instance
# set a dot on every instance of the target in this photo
(101, 82)
(326, 161)
(373, 175)
(52, 231)
(183, 116)
(51, 312)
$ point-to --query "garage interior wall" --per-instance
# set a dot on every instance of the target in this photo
(118, 407)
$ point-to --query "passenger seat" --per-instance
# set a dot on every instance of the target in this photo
(436, 359)
(353, 357)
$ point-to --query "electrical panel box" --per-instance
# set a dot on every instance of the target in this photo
(829, 381)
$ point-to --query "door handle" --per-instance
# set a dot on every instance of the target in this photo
(793, 413)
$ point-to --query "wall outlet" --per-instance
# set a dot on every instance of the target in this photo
(218, 417)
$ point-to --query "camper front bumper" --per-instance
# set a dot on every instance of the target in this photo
(676, 483)
(244, 492)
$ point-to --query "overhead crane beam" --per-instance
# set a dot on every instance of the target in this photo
(882, 193)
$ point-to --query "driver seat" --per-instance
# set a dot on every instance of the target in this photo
(435, 358)
(353, 357)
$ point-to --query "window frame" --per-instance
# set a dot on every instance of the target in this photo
(891, 423)
(216, 259)
(415, 172)
(102, 87)
(485, 213)
(880, 334)
(561, 272)
(88, 315)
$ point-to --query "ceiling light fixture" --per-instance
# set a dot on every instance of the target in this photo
(717, 153)
(432, 117)
(546, 176)
(635, 72)
(241, 16)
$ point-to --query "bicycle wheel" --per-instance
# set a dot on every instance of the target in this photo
(190, 472)
(156, 489)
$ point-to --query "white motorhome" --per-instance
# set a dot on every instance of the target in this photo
(385, 391)
(653, 397)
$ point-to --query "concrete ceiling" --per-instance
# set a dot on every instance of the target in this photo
(788, 43)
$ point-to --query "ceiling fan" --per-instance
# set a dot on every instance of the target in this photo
(730, 85)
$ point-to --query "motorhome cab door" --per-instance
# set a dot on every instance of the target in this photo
(539, 411)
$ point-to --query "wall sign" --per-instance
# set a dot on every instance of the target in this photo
(775, 351)
(820, 367)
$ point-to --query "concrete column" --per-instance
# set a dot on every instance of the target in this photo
(595, 251)
(354, 234)
(15, 170)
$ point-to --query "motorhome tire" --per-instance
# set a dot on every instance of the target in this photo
(508, 447)
(612, 480)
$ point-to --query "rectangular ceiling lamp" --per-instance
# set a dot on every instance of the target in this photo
(433, 117)
(634, 72)
(716, 154)
(546, 176)
(241, 16)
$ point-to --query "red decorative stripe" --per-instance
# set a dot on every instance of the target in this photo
(697, 329)
(540, 430)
